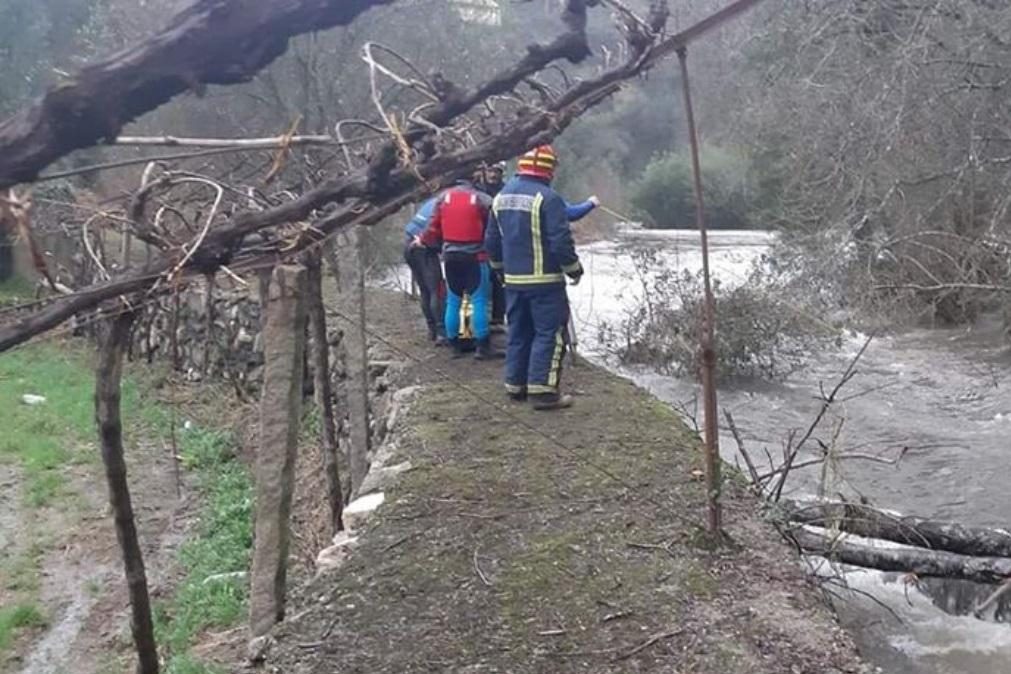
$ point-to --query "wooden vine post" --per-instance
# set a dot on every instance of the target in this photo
(110, 433)
(280, 414)
(324, 389)
(347, 265)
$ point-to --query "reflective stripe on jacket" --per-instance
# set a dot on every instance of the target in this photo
(528, 234)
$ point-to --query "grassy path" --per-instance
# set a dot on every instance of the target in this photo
(563, 542)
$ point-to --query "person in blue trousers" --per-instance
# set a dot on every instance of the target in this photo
(529, 242)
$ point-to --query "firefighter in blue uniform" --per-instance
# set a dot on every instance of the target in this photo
(529, 242)
(490, 180)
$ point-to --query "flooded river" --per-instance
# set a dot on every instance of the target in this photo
(941, 393)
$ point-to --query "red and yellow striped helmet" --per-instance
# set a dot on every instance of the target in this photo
(539, 163)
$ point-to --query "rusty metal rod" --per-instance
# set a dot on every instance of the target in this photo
(708, 327)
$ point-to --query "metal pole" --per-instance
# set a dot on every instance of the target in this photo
(706, 342)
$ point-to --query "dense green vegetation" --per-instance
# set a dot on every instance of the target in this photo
(665, 192)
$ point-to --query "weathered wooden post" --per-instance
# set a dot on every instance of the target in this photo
(209, 340)
(347, 263)
(323, 389)
(280, 412)
(110, 433)
(361, 439)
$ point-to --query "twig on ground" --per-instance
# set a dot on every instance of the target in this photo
(649, 642)
(330, 628)
(480, 573)
(615, 616)
(552, 633)
(397, 543)
(651, 546)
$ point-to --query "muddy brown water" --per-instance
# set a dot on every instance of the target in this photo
(942, 393)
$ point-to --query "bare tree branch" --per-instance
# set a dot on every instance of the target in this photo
(211, 42)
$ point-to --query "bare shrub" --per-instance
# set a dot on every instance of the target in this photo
(762, 329)
(881, 126)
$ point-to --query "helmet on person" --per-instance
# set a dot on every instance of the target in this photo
(499, 166)
(539, 162)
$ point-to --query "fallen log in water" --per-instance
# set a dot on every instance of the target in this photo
(918, 561)
(870, 522)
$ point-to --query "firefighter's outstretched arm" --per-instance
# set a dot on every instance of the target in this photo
(559, 236)
(582, 209)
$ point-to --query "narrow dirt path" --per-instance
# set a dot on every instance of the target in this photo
(557, 543)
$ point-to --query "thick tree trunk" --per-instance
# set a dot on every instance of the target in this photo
(280, 413)
(324, 390)
(925, 563)
(110, 431)
(870, 522)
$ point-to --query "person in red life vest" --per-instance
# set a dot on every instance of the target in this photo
(458, 222)
(529, 242)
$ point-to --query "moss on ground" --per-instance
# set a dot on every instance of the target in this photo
(562, 542)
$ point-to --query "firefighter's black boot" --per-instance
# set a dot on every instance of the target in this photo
(458, 350)
(546, 402)
(518, 396)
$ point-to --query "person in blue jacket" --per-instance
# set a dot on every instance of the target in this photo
(579, 211)
(529, 242)
(426, 271)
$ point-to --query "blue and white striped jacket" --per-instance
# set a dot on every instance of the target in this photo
(528, 234)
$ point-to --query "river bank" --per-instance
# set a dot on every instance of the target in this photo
(936, 395)
(568, 542)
